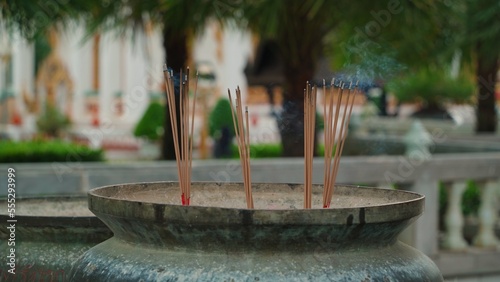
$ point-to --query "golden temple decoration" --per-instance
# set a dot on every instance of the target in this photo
(52, 74)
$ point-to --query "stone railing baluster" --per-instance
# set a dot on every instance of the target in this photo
(488, 215)
(454, 219)
(84, 182)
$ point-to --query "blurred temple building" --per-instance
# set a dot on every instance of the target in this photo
(106, 82)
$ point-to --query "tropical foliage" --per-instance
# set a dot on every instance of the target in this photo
(368, 44)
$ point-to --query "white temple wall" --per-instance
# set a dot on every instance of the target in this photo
(236, 48)
(136, 92)
(109, 76)
(78, 57)
(23, 62)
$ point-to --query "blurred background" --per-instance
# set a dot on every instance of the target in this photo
(82, 81)
(91, 73)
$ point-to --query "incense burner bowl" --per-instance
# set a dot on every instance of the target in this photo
(218, 239)
(49, 236)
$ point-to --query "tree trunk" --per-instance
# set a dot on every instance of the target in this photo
(486, 116)
(176, 52)
(291, 121)
(300, 44)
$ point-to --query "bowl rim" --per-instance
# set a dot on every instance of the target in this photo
(32, 219)
(108, 206)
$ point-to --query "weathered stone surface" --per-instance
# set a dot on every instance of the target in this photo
(50, 235)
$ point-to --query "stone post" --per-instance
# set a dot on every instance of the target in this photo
(488, 215)
(454, 219)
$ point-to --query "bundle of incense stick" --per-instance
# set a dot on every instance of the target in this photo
(332, 137)
(309, 132)
(183, 147)
(241, 128)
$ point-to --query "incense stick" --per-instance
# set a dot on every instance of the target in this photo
(333, 138)
(309, 132)
(183, 147)
(330, 143)
(243, 138)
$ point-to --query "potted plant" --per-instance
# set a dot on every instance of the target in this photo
(52, 122)
(432, 88)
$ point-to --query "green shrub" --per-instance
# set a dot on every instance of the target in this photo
(151, 124)
(260, 151)
(321, 149)
(219, 118)
(47, 151)
(320, 121)
(432, 87)
(471, 199)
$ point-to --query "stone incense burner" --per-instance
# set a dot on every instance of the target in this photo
(217, 239)
(50, 235)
